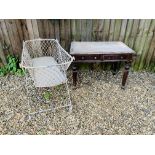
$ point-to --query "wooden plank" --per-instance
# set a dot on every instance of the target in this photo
(57, 29)
(123, 30)
(106, 29)
(139, 35)
(134, 32)
(6, 35)
(83, 30)
(2, 56)
(1, 35)
(153, 57)
(78, 29)
(112, 27)
(68, 34)
(144, 35)
(62, 33)
(117, 29)
(100, 30)
(19, 29)
(95, 29)
(46, 28)
(142, 41)
(9, 27)
(151, 50)
(40, 28)
(89, 30)
(152, 62)
(73, 29)
(147, 44)
(138, 41)
(128, 31)
(51, 28)
(30, 28)
(24, 29)
(35, 28)
(18, 44)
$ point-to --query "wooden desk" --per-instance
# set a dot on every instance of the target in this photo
(91, 52)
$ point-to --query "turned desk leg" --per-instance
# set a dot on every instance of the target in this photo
(74, 68)
(125, 75)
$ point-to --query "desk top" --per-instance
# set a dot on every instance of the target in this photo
(112, 47)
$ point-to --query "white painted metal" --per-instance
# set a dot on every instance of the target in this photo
(46, 62)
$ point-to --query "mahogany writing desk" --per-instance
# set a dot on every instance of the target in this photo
(91, 52)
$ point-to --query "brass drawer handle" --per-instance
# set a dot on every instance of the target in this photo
(82, 57)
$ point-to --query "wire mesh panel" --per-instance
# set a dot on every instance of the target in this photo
(46, 63)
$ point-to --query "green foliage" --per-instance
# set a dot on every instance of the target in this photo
(12, 67)
(3, 71)
(84, 66)
(47, 95)
(12, 64)
(58, 87)
(152, 66)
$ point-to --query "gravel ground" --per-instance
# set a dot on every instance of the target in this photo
(100, 106)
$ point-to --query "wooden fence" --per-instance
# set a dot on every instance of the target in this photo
(137, 34)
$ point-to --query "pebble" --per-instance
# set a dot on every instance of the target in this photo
(100, 106)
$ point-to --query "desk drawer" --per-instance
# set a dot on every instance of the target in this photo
(88, 57)
(115, 57)
(100, 57)
(95, 57)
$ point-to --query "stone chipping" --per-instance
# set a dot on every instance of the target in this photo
(100, 106)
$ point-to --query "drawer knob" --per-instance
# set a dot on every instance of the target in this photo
(121, 57)
(95, 58)
(82, 58)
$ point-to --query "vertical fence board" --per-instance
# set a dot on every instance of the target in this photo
(123, 30)
(35, 28)
(51, 28)
(95, 28)
(150, 51)
(147, 44)
(78, 29)
(112, 27)
(6, 35)
(30, 28)
(138, 40)
(25, 29)
(1, 34)
(83, 30)
(67, 34)
(57, 32)
(13, 40)
(89, 30)
(106, 29)
(62, 33)
(117, 29)
(46, 28)
(19, 29)
(142, 42)
(40, 28)
(16, 38)
(128, 31)
(133, 33)
(100, 29)
(2, 56)
(73, 29)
